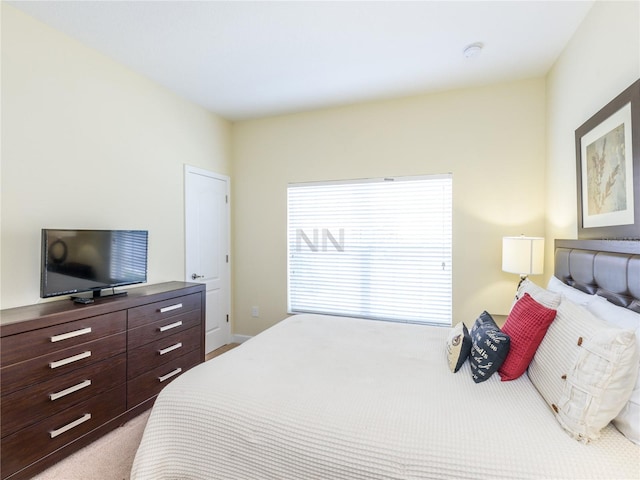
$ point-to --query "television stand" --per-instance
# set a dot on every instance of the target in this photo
(97, 294)
(101, 294)
(99, 362)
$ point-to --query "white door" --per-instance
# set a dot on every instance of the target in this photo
(207, 247)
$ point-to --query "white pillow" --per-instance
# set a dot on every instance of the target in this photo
(582, 369)
(628, 420)
(539, 294)
(458, 346)
(570, 293)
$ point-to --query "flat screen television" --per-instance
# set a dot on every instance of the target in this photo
(75, 261)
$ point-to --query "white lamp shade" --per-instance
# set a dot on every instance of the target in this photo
(523, 255)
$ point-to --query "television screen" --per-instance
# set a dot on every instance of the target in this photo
(76, 261)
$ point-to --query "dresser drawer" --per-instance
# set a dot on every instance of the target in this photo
(30, 405)
(163, 328)
(158, 353)
(153, 312)
(149, 384)
(52, 365)
(17, 348)
(32, 443)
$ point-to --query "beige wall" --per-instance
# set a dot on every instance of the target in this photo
(492, 140)
(86, 143)
(600, 61)
(76, 125)
(509, 177)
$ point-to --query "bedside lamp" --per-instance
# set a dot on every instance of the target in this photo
(523, 255)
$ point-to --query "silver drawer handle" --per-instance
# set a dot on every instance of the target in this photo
(76, 333)
(170, 326)
(170, 349)
(67, 391)
(171, 307)
(69, 426)
(65, 361)
(170, 374)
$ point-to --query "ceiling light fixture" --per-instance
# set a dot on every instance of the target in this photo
(472, 50)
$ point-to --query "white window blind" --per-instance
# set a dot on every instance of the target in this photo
(377, 249)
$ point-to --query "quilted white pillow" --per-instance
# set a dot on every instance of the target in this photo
(628, 420)
(573, 294)
(458, 346)
(582, 369)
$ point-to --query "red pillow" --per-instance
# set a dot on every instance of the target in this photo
(526, 325)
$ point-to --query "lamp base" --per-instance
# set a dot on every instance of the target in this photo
(522, 279)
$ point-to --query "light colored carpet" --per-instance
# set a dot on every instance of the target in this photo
(108, 458)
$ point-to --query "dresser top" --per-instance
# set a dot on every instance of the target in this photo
(20, 319)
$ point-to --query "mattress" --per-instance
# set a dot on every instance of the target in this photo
(320, 397)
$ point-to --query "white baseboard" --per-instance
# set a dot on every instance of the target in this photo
(240, 338)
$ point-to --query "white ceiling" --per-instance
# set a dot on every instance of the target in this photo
(246, 60)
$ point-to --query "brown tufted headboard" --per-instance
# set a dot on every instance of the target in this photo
(610, 268)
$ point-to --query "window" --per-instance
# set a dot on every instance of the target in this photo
(377, 249)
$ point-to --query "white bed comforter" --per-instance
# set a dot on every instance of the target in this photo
(319, 397)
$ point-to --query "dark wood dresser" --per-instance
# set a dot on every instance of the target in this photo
(69, 373)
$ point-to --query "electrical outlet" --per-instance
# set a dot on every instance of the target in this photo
(255, 312)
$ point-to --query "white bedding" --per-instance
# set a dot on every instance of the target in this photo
(318, 397)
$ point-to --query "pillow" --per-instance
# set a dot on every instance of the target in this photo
(489, 348)
(614, 315)
(628, 420)
(582, 370)
(526, 325)
(458, 346)
(539, 294)
(570, 293)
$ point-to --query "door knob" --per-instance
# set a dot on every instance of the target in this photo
(194, 276)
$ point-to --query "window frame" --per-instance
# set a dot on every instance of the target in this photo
(334, 241)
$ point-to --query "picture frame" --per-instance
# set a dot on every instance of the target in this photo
(608, 170)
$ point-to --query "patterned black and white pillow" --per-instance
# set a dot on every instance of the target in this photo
(458, 346)
(489, 348)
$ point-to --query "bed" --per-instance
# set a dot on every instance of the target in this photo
(321, 397)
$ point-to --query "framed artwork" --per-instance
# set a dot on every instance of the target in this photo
(608, 169)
